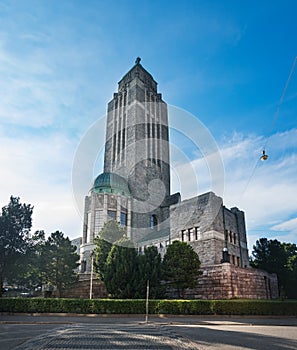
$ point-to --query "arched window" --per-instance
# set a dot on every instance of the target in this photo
(83, 266)
(153, 221)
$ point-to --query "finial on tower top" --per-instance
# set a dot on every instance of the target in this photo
(137, 61)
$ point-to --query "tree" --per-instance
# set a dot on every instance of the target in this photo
(59, 259)
(120, 274)
(269, 255)
(181, 267)
(291, 281)
(110, 233)
(149, 269)
(33, 277)
(15, 225)
(280, 258)
(124, 272)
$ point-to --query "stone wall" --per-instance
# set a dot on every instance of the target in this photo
(81, 289)
(222, 281)
(219, 228)
(226, 281)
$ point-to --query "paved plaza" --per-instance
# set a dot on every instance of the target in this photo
(52, 332)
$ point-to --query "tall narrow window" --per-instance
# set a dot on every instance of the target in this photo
(98, 221)
(197, 233)
(111, 215)
(123, 219)
(89, 228)
(158, 130)
(148, 130)
(153, 221)
(114, 147)
(184, 235)
(123, 138)
(191, 234)
(119, 141)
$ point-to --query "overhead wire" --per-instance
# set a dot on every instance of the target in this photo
(280, 102)
(264, 155)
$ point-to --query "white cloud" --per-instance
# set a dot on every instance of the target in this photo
(38, 170)
(45, 85)
(289, 225)
(265, 191)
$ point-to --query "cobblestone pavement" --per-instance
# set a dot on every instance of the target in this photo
(110, 337)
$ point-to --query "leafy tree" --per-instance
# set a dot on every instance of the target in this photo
(292, 272)
(181, 267)
(269, 255)
(120, 273)
(124, 272)
(34, 277)
(101, 253)
(15, 225)
(59, 261)
(149, 269)
(280, 258)
(110, 233)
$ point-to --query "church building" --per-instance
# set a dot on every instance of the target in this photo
(134, 190)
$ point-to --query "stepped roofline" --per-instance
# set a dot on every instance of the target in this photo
(137, 71)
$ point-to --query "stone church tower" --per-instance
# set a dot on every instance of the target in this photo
(137, 148)
(134, 188)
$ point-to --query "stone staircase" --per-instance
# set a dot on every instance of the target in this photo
(81, 289)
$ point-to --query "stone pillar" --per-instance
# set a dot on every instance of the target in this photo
(118, 214)
(104, 208)
(129, 218)
(92, 221)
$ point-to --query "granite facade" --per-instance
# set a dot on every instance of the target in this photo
(209, 227)
(226, 281)
(137, 147)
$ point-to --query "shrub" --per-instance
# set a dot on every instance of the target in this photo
(255, 307)
(137, 306)
(185, 307)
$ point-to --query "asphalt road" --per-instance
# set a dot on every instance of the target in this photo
(39, 332)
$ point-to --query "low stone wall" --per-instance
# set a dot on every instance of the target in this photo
(221, 281)
(226, 281)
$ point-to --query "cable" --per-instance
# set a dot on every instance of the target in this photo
(250, 178)
(264, 155)
(280, 102)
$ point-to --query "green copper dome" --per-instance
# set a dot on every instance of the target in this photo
(111, 183)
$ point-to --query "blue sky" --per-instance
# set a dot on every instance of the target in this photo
(225, 62)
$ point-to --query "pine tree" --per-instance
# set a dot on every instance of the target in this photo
(181, 267)
(15, 225)
(120, 276)
(110, 233)
(149, 269)
(274, 256)
(60, 261)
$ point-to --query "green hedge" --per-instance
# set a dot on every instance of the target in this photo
(185, 307)
(135, 306)
(255, 307)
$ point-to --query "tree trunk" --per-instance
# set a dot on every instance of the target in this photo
(58, 292)
(1, 286)
(182, 293)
